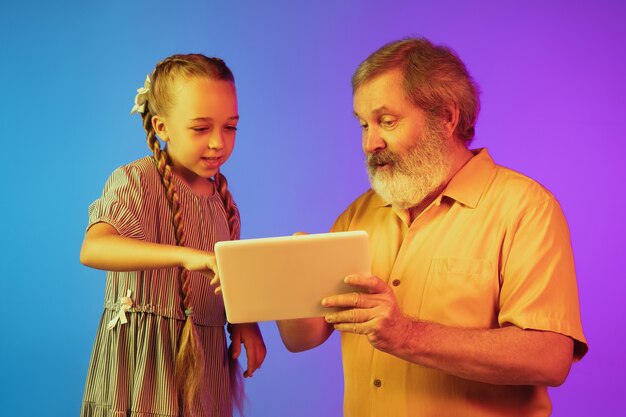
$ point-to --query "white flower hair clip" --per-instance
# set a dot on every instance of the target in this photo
(142, 97)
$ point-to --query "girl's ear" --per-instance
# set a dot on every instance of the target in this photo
(158, 124)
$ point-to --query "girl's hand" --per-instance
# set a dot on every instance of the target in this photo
(250, 335)
(200, 261)
(216, 281)
(204, 262)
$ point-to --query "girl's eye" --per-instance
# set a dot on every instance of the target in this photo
(231, 128)
(363, 126)
(200, 129)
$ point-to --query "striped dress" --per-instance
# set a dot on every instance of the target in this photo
(131, 372)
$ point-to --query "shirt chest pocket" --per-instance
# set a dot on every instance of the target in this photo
(461, 292)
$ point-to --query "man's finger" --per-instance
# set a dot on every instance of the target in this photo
(372, 284)
(353, 315)
(356, 328)
(350, 300)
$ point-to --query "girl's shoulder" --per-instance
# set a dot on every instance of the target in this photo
(141, 169)
(145, 166)
(141, 173)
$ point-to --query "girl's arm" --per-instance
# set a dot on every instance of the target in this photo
(103, 248)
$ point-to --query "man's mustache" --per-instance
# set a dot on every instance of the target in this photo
(377, 159)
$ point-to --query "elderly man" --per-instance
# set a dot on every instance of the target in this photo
(472, 307)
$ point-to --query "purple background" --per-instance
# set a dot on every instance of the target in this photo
(553, 107)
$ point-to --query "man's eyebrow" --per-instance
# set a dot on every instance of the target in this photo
(380, 110)
(377, 112)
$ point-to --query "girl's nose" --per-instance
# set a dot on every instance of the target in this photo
(216, 141)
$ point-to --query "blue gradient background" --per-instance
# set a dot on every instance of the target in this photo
(553, 107)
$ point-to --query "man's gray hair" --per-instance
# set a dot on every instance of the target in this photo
(434, 78)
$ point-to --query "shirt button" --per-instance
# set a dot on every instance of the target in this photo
(395, 282)
(377, 383)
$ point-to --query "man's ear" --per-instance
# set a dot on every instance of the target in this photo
(160, 128)
(450, 119)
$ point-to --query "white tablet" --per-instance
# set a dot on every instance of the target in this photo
(287, 277)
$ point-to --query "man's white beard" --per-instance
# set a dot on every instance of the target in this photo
(412, 176)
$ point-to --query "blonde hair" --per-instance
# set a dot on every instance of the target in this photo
(161, 97)
(434, 77)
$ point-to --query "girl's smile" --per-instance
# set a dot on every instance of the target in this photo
(212, 162)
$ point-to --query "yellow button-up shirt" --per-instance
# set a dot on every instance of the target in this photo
(492, 250)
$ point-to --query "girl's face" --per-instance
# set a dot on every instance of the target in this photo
(199, 129)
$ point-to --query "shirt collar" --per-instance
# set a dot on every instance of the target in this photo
(468, 184)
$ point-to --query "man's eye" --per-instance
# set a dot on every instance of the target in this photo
(231, 128)
(200, 129)
(364, 126)
(388, 123)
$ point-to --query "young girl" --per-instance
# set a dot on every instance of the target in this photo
(160, 349)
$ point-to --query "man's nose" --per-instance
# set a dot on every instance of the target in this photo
(372, 141)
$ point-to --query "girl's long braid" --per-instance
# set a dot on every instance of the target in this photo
(190, 357)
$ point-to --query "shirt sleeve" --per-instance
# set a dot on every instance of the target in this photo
(120, 204)
(341, 223)
(353, 212)
(538, 277)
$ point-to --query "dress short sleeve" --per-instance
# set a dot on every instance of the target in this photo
(121, 203)
(539, 289)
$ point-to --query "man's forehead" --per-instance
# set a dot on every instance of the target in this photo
(381, 94)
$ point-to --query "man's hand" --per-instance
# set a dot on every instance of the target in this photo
(374, 313)
(250, 335)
